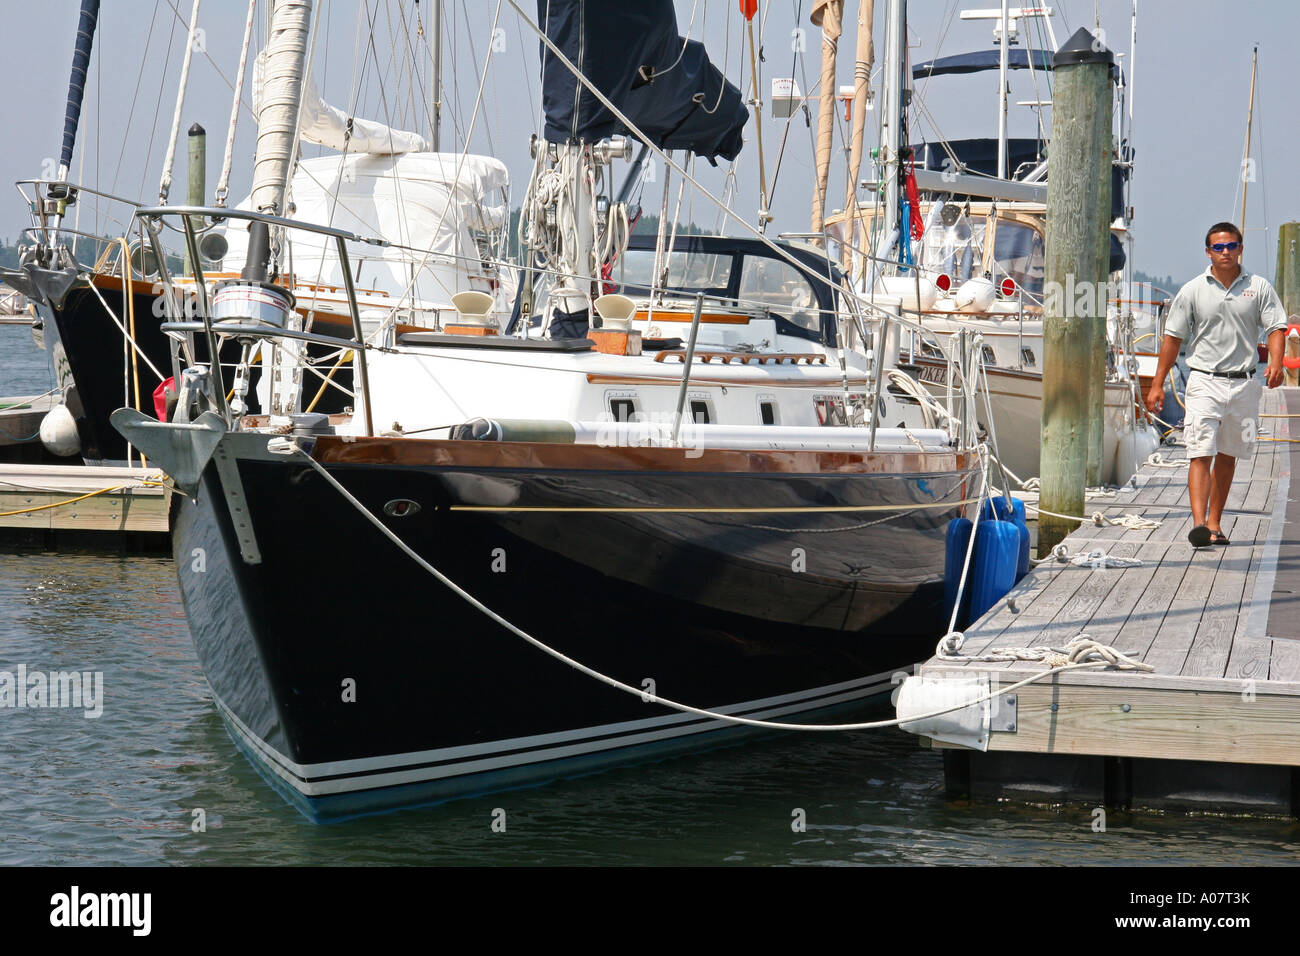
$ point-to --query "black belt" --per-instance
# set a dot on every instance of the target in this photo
(1246, 374)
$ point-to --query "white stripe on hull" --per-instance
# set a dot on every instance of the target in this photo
(369, 773)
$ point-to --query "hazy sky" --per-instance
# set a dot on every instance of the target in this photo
(1191, 82)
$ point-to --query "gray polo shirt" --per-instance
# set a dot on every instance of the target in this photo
(1221, 327)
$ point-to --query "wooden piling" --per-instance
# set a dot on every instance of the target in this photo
(1288, 286)
(1077, 255)
(198, 170)
(1100, 269)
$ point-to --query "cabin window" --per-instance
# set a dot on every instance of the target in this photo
(700, 412)
(990, 357)
(954, 245)
(1027, 357)
(780, 288)
(691, 272)
(1018, 252)
(623, 409)
(767, 410)
(830, 410)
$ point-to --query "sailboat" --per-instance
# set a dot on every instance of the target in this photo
(974, 214)
(655, 481)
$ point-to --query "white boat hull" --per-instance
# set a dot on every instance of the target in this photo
(1016, 399)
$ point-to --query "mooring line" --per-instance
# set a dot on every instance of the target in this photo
(641, 693)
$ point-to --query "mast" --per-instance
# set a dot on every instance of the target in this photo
(861, 81)
(895, 69)
(1245, 166)
(829, 15)
(1002, 95)
(748, 8)
(277, 121)
(1132, 70)
(86, 23)
(435, 79)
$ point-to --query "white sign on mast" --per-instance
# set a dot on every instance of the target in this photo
(786, 97)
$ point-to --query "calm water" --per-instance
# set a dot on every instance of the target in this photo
(24, 370)
(123, 788)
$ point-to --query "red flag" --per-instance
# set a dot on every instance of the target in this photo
(914, 203)
(748, 8)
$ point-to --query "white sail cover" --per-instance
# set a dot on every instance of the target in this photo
(329, 126)
(428, 202)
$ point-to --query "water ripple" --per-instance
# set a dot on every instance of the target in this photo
(123, 789)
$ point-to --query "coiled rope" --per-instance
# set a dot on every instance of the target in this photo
(1081, 650)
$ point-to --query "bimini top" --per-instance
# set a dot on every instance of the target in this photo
(1018, 58)
(978, 62)
(633, 54)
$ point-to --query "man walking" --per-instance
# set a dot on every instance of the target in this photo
(1220, 314)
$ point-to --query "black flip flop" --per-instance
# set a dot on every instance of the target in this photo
(1218, 537)
(1200, 536)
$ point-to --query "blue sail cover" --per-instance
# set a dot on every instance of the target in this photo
(77, 82)
(634, 55)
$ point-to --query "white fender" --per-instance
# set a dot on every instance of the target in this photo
(968, 726)
(904, 288)
(975, 295)
(59, 432)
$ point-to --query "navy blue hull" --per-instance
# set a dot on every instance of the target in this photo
(358, 682)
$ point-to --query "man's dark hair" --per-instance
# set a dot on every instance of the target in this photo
(1222, 227)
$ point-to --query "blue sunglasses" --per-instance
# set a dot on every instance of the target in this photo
(1225, 246)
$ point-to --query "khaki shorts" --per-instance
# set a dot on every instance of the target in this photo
(1222, 415)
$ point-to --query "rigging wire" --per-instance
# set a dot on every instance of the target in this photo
(726, 59)
(1262, 188)
(144, 62)
(162, 85)
(473, 53)
(418, 82)
(478, 102)
(847, 294)
(208, 56)
(803, 106)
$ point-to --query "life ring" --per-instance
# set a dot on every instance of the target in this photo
(1289, 361)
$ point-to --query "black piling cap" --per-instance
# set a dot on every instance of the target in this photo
(197, 130)
(1083, 47)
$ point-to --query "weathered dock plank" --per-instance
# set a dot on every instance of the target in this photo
(1284, 665)
(1124, 600)
(1212, 643)
(1057, 716)
(1225, 690)
(78, 498)
(1173, 641)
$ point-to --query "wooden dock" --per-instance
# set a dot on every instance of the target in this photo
(54, 507)
(20, 426)
(1216, 725)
